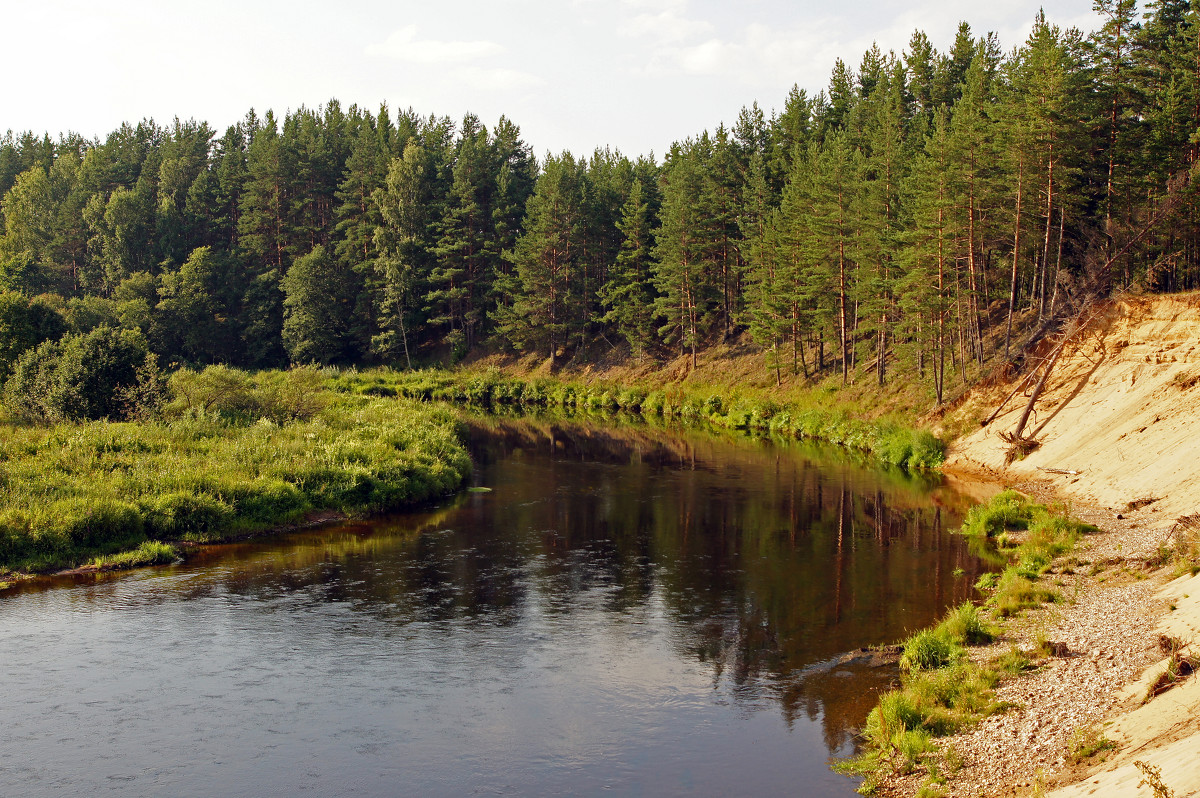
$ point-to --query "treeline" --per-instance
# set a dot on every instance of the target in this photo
(905, 216)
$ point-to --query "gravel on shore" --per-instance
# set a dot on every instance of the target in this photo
(1106, 621)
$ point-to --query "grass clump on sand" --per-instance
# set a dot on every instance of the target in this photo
(231, 454)
(1028, 536)
(941, 691)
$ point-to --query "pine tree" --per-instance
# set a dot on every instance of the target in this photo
(925, 289)
(885, 118)
(357, 218)
(458, 283)
(683, 249)
(788, 134)
(547, 311)
(832, 228)
(265, 204)
(1112, 63)
(767, 293)
(628, 294)
(972, 141)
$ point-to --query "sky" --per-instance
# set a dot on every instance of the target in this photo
(634, 75)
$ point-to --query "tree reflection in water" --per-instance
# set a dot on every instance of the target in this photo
(760, 562)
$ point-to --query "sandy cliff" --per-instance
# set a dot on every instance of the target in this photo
(1122, 408)
(1122, 411)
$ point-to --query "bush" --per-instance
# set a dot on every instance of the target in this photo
(80, 377)
(298, 394)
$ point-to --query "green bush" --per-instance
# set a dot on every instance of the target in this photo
(79, 377)
(298, 394)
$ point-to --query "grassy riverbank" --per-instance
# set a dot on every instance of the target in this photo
(944, 688)
(224, 462)
(811, 418)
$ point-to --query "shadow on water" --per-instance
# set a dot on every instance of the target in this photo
(636, 577)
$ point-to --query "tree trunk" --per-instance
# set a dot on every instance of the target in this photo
(1012, 289)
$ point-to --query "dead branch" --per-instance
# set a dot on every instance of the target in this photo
(1020, 386)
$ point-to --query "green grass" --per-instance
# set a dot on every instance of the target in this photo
(929, 649)
(73, 492)
(150, 552)
(1028, 536)
(941, 691)
(890, 441)
(901, 731)
(965, 626)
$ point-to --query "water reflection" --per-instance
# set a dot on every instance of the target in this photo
(628, 609)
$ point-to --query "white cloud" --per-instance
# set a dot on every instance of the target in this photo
(706, 58)
(665, 26)
(677, 6)
(496, 79)
(403, 45)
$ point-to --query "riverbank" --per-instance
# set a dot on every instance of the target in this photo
(1085, 650)
(809, 416)
(109, 493)
(1115, 430)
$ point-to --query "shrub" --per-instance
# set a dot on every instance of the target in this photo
(79, 377)
(631, 399)
(298, 394)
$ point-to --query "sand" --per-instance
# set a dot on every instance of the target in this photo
(1121, 412)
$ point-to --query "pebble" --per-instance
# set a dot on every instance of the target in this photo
(1113, 620)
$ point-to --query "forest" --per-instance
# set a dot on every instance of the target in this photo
(927, 212)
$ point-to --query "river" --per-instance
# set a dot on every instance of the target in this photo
(625, 611)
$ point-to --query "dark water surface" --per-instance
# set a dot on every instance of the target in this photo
(628, 612)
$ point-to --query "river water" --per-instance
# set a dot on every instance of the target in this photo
(628, 611)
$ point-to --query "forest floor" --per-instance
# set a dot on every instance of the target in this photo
(1119, 429)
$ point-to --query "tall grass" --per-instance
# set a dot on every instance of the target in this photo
(72, 492)
(889, 441)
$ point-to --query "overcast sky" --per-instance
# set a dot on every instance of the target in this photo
(574, 74)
